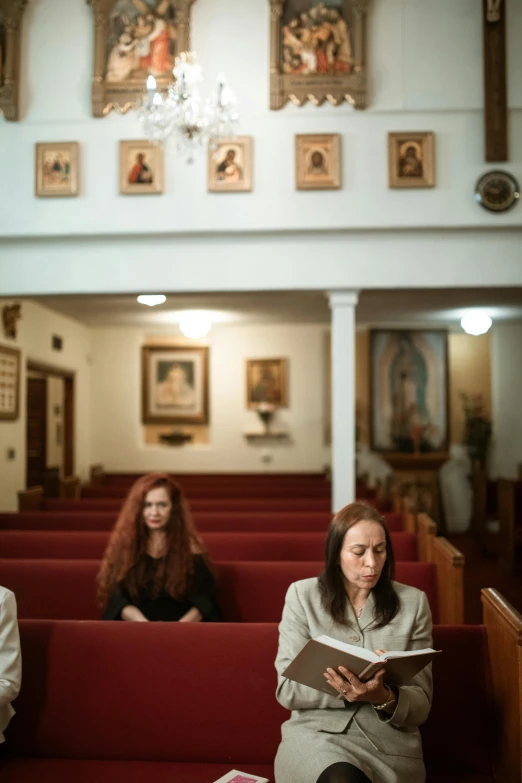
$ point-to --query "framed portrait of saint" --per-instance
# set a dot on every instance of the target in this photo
(230, 166)
(318, 161)
(266, 381)
(11, 13)
(134, 39)
(411, 160)
(56, 169)
(9, 383)
(141, 168)
(409, 390)
(174, 385)
(317, 52)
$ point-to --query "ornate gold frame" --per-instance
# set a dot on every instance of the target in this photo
(334, 182)
(122, 96)
(283, 366)
(232, 187)
(426, 139)
(324, 87)
(13, 11)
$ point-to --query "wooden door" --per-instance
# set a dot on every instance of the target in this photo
(68, 426)
(36, 430)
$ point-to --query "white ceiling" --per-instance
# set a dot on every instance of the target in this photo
(443, 307)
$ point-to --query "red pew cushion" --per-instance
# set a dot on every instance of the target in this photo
(85, 697)
(252, 592)
(220, 546)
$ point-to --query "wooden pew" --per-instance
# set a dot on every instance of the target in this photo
(450, 568)
(504, 629)
(31, 499)
(97, 475)
(70, 487)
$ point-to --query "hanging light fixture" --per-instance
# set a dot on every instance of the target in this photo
(152, 299)
(476, 323)
(195, 325)
(182, 117)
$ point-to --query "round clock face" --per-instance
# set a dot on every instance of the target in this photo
(497, 191)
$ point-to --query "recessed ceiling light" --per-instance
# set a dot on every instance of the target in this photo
(195, 325)
(476, 323)
(152, 299)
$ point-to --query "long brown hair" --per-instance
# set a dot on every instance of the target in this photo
(124, 563)
(331, 584)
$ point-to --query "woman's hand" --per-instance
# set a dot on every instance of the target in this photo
(352, 689)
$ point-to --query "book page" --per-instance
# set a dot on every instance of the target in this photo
(359, 652)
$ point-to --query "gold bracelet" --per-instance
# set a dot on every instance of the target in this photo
(391, 697)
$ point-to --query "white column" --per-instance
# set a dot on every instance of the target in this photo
(506, 393)
(343, 304)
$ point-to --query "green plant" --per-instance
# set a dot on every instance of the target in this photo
(477, 427)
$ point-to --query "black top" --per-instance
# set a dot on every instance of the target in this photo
(200, 593)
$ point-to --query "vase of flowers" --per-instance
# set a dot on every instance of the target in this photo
(477, 428)
(265, 411)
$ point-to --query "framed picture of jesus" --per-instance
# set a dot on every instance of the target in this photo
(317, 52)
(134, 39)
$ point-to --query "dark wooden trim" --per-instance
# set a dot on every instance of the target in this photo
(495, 86)
(69, 438)
(49, 369)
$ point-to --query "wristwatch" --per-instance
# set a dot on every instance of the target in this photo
(391, 697)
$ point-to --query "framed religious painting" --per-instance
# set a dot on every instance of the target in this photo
(11, 12)
(174, 385)
(317, 52)
(9, 383)
(318, 162)
(266, 382)
(409, 391)
(134, 39)
(141, 168)
(411, 160)
(56, 169)
(230, 166)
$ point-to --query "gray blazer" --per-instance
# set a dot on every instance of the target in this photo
(10, 658)
(304, 618)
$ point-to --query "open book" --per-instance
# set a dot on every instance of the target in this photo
(235, 776)
(309, 666)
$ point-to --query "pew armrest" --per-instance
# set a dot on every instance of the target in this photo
(97, 474)
(426, 532)
(70, 488)
(31, 499)
(450, 580)
(504, 629)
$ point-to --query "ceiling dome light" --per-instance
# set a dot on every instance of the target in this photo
(476, 323)
(152, 299)
(195, 325)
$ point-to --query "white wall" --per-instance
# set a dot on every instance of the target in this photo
(425, 66)
(117, 432)
(35, 330)
(506, 382)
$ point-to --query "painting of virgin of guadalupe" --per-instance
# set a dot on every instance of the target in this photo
(140, 38)
(320, 51)
(409, 400)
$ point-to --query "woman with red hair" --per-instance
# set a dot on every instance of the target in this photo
(154, 568)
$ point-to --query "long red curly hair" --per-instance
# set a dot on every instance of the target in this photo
(124, 564)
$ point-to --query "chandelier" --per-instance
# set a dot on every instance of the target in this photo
(182, 118)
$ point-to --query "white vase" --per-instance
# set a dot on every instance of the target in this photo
(455, 489)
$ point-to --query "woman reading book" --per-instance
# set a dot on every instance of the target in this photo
(360, 731)
(154, 567)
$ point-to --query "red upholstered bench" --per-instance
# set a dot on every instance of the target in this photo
(221, 546)
(74, 515)
(249, 592)
(126, 702)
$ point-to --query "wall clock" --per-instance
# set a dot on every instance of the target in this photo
(497, 191)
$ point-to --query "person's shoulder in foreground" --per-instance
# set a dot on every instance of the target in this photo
(10, 657)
